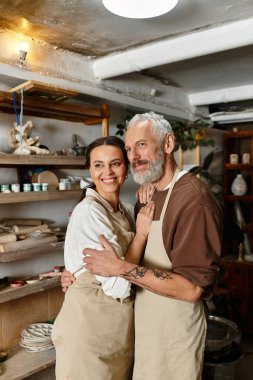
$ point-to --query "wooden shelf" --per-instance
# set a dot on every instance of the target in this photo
(233, 261)
(236, 277)
(9, 294)
(248, 228)
(51, 109)
(50, 91)
(21, 254)
(238, 166)
(38, 196)
(8, 160)
(21, 363)
(239, 134)
(242, 198)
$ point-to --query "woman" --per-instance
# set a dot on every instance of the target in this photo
(93, 333)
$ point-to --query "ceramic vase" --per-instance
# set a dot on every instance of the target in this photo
(239, 185)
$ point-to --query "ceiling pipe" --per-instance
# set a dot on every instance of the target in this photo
(232, 117)
(222, 95)
(208, 41)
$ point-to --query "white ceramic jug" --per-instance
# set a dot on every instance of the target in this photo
(239, 185)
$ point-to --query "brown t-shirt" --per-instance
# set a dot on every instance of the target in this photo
(192, 228)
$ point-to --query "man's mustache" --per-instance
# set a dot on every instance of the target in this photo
(139, 162)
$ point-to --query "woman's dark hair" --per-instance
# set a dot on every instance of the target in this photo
(109, 140)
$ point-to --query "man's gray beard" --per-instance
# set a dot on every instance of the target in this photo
(154, 172)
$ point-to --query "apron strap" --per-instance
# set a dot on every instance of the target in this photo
(128, 217)
(125, 210)
(174, 178)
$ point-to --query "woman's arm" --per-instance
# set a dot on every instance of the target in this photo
(143, 224)
(118, 287)
(111, 285)
(87, 222)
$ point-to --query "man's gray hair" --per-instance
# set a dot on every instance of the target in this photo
(160, 126)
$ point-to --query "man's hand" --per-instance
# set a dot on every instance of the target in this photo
(104, 262)
(67, 279)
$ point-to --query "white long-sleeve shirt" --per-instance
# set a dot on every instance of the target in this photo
(88, 220)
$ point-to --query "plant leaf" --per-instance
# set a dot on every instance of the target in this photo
(207, 161)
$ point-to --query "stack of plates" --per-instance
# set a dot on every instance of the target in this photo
(37, 337)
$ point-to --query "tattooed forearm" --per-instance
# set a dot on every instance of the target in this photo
(137, 272)
(162, 275)
(140, 272)
(162, 282)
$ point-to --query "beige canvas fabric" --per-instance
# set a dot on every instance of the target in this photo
(170, 334)
(94, 334)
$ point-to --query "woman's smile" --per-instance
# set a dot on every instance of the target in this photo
(108, 180)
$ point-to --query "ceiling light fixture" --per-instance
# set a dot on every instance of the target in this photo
(139, 8)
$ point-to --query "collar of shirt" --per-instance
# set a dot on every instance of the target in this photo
(104, 202)
(180, 174)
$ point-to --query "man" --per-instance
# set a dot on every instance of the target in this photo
(180, 261)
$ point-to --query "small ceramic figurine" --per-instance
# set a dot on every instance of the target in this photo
(246, 158)
(239, 185)
(240, 253)
(19, 138)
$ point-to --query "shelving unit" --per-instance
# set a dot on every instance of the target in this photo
(10, 160)
(239, 143)
(236, 282)
(237, 287)
(41, 105)
(44, 298)
(21, 254)
(47, 101)
(21, 363)
(9, 294)
(39, 196)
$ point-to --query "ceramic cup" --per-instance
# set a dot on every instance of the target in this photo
(44, 186)
(5, 188)
(246, 158)
(15, 187)
(62, 186)
(233, 158)
(36, 187)
(27, 187)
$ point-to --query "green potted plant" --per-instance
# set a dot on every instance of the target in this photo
(188, 134)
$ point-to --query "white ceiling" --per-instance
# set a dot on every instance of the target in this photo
(199, 54)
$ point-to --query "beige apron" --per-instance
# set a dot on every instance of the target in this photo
(169, 333)
(93, 333)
